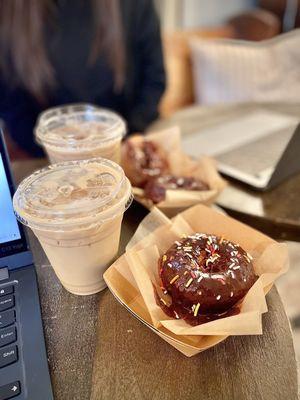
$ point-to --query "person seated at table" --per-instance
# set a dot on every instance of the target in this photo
(105, 52)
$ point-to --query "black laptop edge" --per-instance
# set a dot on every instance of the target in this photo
(17, 269)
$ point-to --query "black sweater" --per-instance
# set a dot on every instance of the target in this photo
(68, 50)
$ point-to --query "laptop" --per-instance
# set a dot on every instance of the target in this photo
(259, 148)
(24, 370)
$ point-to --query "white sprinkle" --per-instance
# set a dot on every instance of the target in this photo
(218, 297)
(249, 256)
(176, 315)
(231, 294)
(189, 255)
(200, 279)
(169, 265)
(232, 274)
(200, 293)
(216, 276)
(245, 280)
(178, 244)
(231, 265)
(236, 267)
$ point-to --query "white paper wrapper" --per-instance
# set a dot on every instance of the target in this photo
(169, 140)
(132, 277)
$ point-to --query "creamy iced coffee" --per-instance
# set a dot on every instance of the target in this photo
(80, 132)
(75, 209)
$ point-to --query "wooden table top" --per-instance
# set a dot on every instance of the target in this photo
(97, 350)
(276, 212)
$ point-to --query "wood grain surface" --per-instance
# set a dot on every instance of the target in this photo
(97, 350)
(132, 362)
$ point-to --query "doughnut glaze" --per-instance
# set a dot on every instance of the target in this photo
(204, 276)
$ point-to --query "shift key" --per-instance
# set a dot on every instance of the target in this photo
(7, 318)
(8, 355)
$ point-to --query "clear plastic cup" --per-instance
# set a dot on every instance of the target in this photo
(75, 209)
(80, 132)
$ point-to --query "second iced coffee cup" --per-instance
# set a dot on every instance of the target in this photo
(75, 209)
(79, 132)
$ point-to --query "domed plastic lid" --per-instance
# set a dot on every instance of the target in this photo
(80, 126)
(73, 193)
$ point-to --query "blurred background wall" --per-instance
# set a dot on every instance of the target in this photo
(185, 14)
(190, 14)
(183, 20)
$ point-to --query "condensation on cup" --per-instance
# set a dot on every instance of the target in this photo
(75, 209)
(80, 132)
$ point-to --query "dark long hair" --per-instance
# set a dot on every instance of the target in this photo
(23, 56)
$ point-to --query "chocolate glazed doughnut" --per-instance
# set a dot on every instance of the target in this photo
(147, 167)
(205, 276)
(142, 161)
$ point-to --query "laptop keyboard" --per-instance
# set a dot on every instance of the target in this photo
(8, 337)
(258, 155)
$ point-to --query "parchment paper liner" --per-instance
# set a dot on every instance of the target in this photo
(132, 276)
(169, 140)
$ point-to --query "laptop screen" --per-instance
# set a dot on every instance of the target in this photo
(12, 239)
(9, 229)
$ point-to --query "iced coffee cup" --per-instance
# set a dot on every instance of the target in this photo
(75, 209)
(80, 132)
